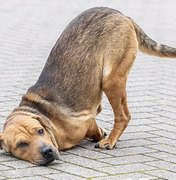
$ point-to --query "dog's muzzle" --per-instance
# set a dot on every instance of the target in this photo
(48, 155)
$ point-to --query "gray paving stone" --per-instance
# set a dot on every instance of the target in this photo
(18, 164)
(80, 171)
(134, 143)
(138, 135)
(27, 172)
(91, 154)
(163, 147)
(166, 91)
(160, 154)
(141, 128)
(143, 115)
(6, 157)
(63, 176)
(129, 168)
(129, 176)
(166, 127)
(138, 122)
(165, 120)
(163, 140)
(81, 161)
(34, 178)
(165, 156)
(106, 118)
(163, 165)
(142, 99)
(129, 151)
(2, 178)
(168, 108)
(1, 127)
(104, 124)
(163, 133)
(5, 167)
(127, 159)
(162, 174)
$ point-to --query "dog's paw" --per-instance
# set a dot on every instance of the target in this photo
(105, 144)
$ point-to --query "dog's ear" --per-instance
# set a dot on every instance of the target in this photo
(43, 121)
(0, 140)
(47, 125)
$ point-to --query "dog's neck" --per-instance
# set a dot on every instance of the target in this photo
(41, 105)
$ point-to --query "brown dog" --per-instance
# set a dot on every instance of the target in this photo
(94, 54)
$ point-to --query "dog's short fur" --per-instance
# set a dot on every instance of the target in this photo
(94, 54)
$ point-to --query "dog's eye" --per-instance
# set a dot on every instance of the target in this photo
(40, 131)
(22, 145)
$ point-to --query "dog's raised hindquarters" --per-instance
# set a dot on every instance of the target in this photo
(94, 54)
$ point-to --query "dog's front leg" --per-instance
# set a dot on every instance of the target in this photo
(95, 133)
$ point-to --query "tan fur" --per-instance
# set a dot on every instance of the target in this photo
(94, 54)
(151, 47)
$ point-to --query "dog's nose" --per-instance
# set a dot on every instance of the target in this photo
(47, 152)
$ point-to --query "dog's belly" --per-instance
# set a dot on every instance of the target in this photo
(75, 131)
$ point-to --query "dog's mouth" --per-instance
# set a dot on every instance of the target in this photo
(44, 161)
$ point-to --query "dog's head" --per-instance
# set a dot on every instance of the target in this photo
(29, 138)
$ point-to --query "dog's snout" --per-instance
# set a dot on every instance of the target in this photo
(47, 152)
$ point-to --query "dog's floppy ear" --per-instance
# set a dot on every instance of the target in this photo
(0, 140)
(45, 122)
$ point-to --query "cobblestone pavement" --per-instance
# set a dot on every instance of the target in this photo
(147, 149)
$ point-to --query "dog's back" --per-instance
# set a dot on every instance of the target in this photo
(73, 72)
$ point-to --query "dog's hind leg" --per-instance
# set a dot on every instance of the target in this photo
(114, 86)
(117, 99)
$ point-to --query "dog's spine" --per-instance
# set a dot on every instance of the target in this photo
(149, 46)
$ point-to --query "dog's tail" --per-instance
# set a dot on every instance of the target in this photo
(149, 46)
